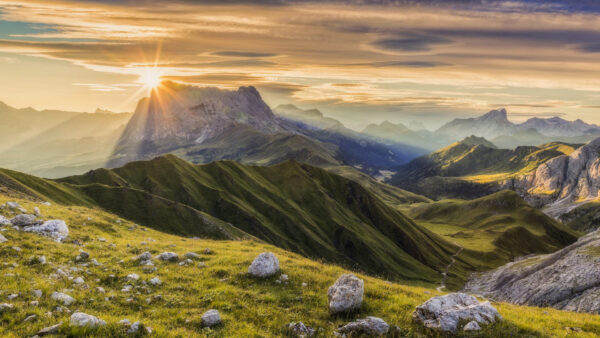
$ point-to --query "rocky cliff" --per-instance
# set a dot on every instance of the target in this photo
(568, 279)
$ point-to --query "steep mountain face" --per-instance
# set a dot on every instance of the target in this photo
(291, 205)
(563, 180)
(209, 124)
(490, 125)
(556, 126)
(471, 168)
(568, 279)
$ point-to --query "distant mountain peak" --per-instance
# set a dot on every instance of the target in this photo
(476, 140)
(496, 114)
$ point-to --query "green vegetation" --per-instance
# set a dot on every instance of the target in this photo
(248, 307)
(495, 229)
(471, 168)
(585, 218)
(295, 206)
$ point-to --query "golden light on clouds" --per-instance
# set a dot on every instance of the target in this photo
(401, 59)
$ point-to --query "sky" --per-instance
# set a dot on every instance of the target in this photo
(359, 61)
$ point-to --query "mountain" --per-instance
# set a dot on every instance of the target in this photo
(311, 117)
(294, 206)
(494, 229)
(210, 124)
(557, 126)
(490, 125)
(471, 168)
(217, 279)
(399, 133)
(563, 181)
(567, 279)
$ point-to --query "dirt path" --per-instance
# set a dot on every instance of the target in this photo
(445, 273)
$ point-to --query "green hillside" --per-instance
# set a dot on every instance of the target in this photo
(494, 229)
(248, 307)
(470, 168)
(295, 206)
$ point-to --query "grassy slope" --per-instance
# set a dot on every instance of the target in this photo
(585, 218)
(249, 307)
(494, 229)
(469, 169)
(295, 206)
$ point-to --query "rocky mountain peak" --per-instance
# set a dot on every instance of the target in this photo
(497, 115)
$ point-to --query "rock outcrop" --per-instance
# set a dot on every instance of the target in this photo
(346, 294)
(80, 319)
(445, 313)
(55, 229)
(568, 279)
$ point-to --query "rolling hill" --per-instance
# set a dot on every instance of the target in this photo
(295, 206)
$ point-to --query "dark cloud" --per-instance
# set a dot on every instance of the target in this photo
(411, 42)
(244, 54)
(280, 88)
(590, 47)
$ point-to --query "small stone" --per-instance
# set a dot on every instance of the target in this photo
(155, 281)
(3, 239)
(37, 293)
(133, 276)
(370, 326)
(125, 322)
(49, 330)
(472, 326)
(12, 296)
(211, 318)
(30, 318)
(78, 280)
(135, 328)
(186, 262)
(34, 303)
(192, 255)
(80, 319)
(168, 257)
(207, 251)
(265, 265)
(36, 211)
(84, 255)
(63, 298)
(283, 278)
(4, 307)
(300, 330)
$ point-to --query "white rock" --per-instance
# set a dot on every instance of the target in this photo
(80, 319)
(63, 298)
(36, 211)
(55, 229)
(265, 265)
(135, 328)
(78, 280)
(12, 296)
(29, 318)
(155, 281)
(4, 221)
(445, 312)
(186, 262)
(346, 294)
(283, 277)
(100, 289)
(5, 307)
(211, 318)
(133, 276)
(370, 326)
(3, 239)
(37, 293)
(125, 322)
(168, 257)
(300, 330)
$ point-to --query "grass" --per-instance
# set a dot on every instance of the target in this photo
(249, 307)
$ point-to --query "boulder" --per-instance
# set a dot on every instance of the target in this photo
(265, 265)
(78, 280)
(63, 298)
(80, 319)
(3, 239)
(155, 281)
(211, 318)
(472, 326)
(346, 294)
(168, 257)
(192, 255)
(300, 330)
(23, 220)
(370, 326)
(444, 313)
(55, 229)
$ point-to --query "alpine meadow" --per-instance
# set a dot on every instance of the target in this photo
(300, 168)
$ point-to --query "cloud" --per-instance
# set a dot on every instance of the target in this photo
(411, 42)
(244, 54)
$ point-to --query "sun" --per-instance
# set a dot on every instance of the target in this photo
(150, 78)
